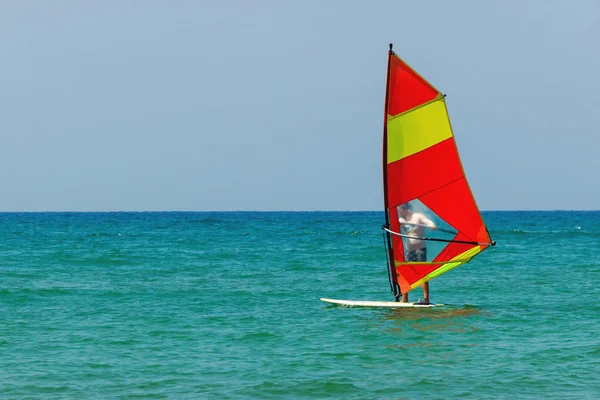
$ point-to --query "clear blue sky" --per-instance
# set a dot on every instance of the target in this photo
(278, 105)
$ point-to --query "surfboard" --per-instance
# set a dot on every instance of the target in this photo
(386, 304)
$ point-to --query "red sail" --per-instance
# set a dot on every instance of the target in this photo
(434, 222)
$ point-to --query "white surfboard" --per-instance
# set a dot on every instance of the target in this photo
(388, 304)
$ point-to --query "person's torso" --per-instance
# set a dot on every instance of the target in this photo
(415, 231)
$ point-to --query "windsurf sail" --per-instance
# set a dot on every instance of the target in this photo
(432, 223)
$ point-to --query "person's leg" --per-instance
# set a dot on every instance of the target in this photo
(409, 256)
(425, 288)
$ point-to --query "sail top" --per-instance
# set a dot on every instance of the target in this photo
(407, 89)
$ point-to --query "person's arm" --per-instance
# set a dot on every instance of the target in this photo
(427, 222)
(403, 227)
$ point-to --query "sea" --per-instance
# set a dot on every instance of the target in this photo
(225, 305)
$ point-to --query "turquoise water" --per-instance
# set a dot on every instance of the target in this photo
(225, 305)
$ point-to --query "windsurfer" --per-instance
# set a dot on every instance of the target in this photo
(416, 249)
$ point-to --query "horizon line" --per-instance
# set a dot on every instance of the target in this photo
(273, 211)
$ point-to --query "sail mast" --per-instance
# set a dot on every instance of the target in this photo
(387, 237)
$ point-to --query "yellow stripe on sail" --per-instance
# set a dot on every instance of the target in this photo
(418, 129)
(463, 257)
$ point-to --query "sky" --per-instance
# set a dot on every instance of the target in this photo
(278, 105)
